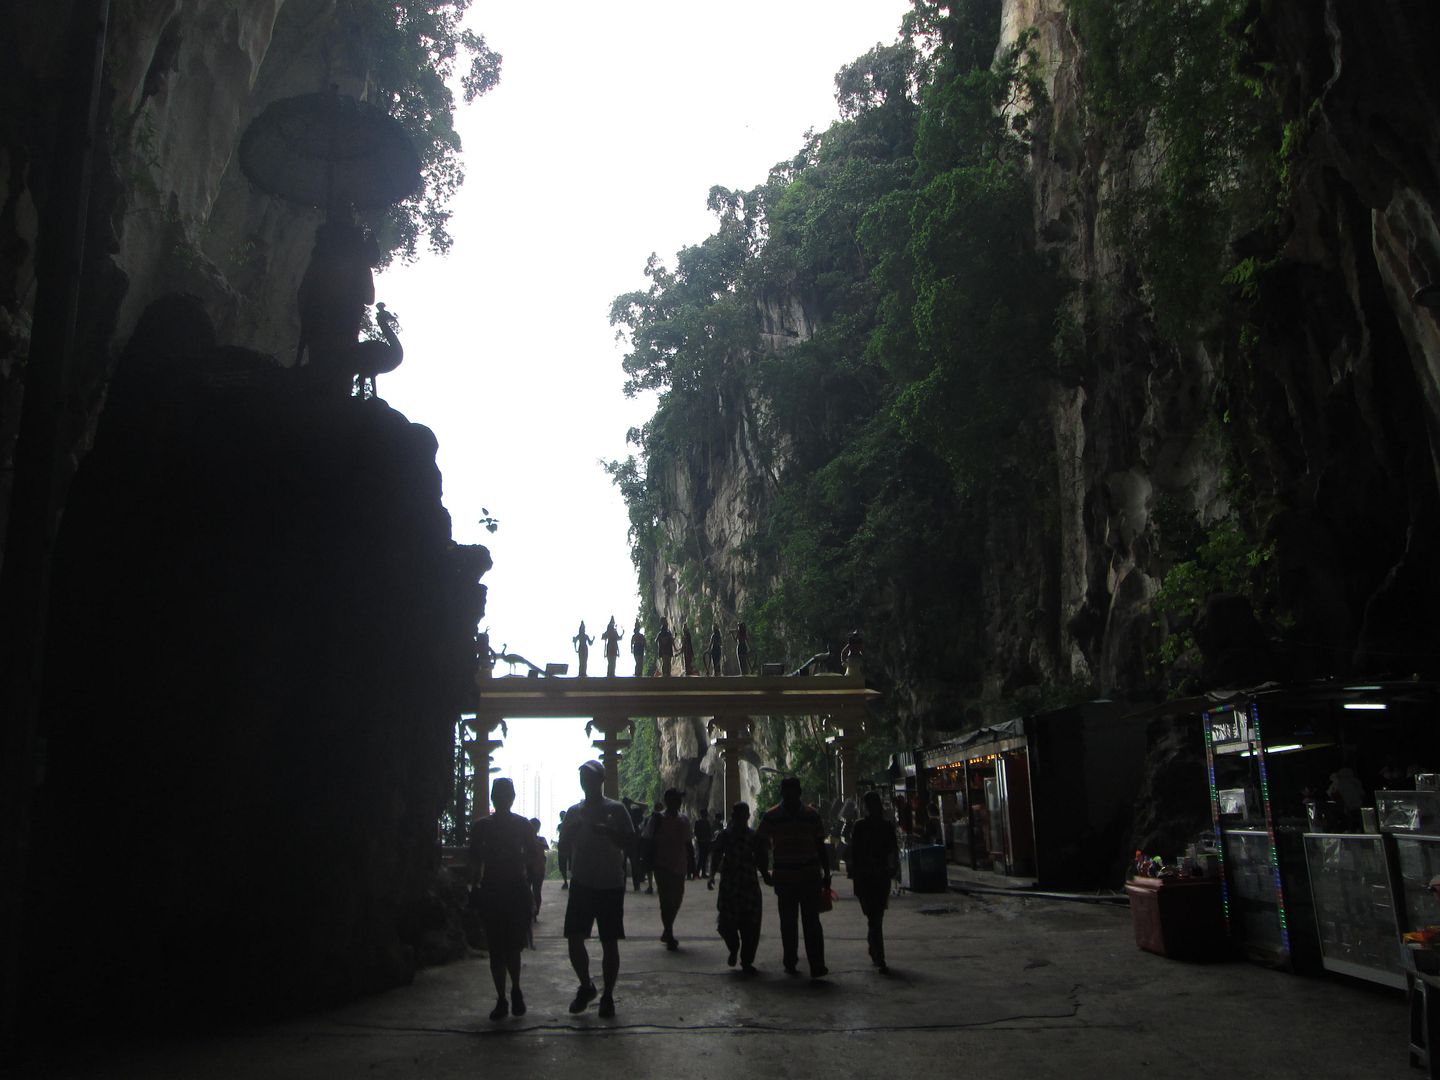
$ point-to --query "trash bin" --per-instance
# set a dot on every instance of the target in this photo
(924, 869)
(1178, 917)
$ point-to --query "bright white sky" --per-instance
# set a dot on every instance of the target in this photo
(609, 126)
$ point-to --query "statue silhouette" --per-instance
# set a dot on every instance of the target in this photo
(582, 643)
(637, 650)
(852, 657)
(334, 292)
(664, 648)
(611, 637)
(742, 649)
(372, 358)
(687, 651)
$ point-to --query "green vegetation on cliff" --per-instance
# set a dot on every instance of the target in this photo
(905, 233)
(1183, 85)
(904, 436)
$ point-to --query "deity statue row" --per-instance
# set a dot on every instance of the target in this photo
(665, 649)
(850, 659)
(664, 658)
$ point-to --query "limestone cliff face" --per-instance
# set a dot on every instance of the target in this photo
(722, 488)
(1069, 603)
(170, 211)
(261, 631)
(1332, 416)
(1335, 408)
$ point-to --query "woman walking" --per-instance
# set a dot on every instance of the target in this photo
(873, 862)
(502, 849)
(739, 903)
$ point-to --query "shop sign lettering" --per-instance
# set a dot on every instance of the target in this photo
(1232, 728)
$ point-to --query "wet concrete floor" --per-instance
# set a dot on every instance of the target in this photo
(980, 987)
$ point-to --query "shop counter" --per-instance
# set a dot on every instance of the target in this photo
(1417, 861)
(1355, 910)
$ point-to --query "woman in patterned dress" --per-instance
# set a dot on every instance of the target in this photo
(739, 903)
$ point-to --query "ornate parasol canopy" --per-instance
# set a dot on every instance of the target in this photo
(329, 151)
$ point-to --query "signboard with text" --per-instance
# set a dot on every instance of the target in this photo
(1230, 731)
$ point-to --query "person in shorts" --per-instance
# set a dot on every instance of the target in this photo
(595, 838)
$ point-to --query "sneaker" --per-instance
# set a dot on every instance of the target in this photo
(517, 1002)
(730, 960)
(564, 885)
(792, 969)
(673, 945)
(819, 973)
(583, 997)
(884, 968)
(607, 1007)
(501, 1010)
(749, 969)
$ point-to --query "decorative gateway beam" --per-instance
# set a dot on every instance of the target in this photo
(731, 700)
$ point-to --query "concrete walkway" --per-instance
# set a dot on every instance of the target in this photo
(980, 987)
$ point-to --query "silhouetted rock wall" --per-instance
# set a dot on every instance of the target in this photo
(261, 642)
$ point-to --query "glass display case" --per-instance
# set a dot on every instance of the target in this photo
(1252, 902)
(1258, 789)
(1355, 910)
(1417, 860)
(1408, 811)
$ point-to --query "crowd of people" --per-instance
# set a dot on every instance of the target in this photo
(605, 844)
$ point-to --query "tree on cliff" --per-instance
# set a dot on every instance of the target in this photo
(411, 48)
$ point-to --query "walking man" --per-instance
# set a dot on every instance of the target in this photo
(672, 858)
(873, 862)
(717, 826)
(791, 837)
(562, 857)
(704, 835)
(638, 869)
(596, 837)
(538, 861)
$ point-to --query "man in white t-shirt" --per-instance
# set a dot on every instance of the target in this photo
(595, 838)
